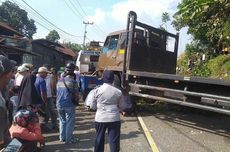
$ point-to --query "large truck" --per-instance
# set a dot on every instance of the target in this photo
(87, 61)
(144, 61)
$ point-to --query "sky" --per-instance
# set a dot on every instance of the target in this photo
(67, 17)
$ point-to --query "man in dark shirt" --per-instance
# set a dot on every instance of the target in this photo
(40, 85)
(6, 72)
(67, 88)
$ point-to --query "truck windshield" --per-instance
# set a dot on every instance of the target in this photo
(110, 43)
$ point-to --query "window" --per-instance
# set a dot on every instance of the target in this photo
(123, 41)
(170, 44)
(110, 43)
(94, 58)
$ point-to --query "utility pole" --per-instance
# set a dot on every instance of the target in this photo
(86, 23)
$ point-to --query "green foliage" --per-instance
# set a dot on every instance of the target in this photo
(164, 18)
(207, 21)
(75, 47)
(220, 67)
(53, 36)
(182, 65)
(201, 70)
(17, 18)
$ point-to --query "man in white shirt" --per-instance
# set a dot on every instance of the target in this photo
(22, 71)
(50, 103)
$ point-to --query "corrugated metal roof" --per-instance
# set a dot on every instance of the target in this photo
(47, 43)
(56, 46)
(4, 26)
(67, 51)
(16, 49)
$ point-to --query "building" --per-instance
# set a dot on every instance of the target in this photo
(13, 45)
(50, 53)
(37, 52)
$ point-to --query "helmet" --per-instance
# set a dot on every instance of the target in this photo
(70, 66)
(24, 117)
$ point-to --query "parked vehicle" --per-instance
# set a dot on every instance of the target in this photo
(144, 59)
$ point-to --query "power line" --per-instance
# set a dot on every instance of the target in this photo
(76, 9)
(87, 15)
(81, 16)
(81, 7)
(39, 23)
(32, 14)
(86, 23)
(72, 9)
(48, 20)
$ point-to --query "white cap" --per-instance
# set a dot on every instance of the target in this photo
(42, 69)
(27, 65)
(22, 69)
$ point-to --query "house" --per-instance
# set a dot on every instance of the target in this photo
(50, 53)
(37, 52)
(13, 45)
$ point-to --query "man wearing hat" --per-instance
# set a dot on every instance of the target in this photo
(6, 67)
(21, 72)
(40, 85)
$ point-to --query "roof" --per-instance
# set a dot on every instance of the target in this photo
(11, 48)
(6, 29)
(47, 43)
(117, 32)
(56, 46)
(67, 51)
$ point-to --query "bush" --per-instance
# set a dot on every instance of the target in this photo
(220, 67)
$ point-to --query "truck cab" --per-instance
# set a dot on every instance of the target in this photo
(112, 55)
(87, 61)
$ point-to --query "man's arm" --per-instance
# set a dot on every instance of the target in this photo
(43, 91)
(76, 92)
(2, 126)
(44, 97)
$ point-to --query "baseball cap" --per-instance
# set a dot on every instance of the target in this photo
(22, 69)
(6, 65)
(42, 69)
(27, 65)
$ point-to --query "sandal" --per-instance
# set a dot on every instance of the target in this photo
(73, 140)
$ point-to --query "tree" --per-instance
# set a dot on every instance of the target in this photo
(53, 36)
(17, 18)
(75, 47)
(208, 21)
(164, 18)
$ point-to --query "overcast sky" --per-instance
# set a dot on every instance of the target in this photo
(67, 16)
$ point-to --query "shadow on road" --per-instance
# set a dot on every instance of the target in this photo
(194, 118)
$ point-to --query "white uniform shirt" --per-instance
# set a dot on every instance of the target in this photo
(107, 99)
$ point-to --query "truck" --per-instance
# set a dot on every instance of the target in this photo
(144, 61)
(87, 61)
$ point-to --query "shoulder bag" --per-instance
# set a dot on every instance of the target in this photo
(72, 95)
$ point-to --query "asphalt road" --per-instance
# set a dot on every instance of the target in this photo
(132, 137)
(188, 130)
(173, 130)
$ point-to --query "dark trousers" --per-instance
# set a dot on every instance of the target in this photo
(28, 146)
(113, 133)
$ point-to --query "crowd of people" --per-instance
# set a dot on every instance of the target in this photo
(27, 101)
